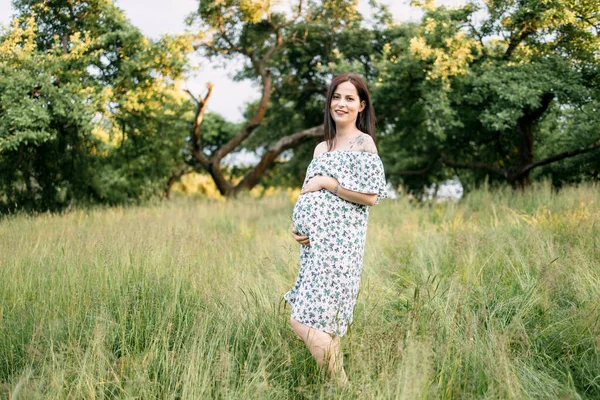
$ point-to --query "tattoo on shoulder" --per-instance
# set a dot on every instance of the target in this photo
(357, 144)
(363, 143)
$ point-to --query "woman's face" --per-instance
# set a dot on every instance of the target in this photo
(345, 104)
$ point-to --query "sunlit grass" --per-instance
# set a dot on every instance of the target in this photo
(495, 297)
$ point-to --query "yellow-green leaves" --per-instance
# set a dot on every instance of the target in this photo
(18, 40)
(449, 55)
(90, 109)
(254, 10)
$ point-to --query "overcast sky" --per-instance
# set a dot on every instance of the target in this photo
(157, 17)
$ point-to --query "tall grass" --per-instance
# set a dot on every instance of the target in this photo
(496, 297)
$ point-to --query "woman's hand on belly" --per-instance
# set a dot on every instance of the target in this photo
(300, 239)
(318, 182)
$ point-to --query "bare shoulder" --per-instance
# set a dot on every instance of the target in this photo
(368, 144)
(320, 149)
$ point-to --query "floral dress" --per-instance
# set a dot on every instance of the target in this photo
(326, 289)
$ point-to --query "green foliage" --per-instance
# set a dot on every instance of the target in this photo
(45, 123)
(324, 39)
(91, 109)
(93, 112)
(458, 99)
(570, 125)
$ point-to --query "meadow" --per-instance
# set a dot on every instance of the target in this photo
(494, 297)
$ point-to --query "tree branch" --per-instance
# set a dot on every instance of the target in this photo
(194, 99)
(472, 165)
(479, 37)
(174, 177)
(267, 82)
(249, 126)
(232, 46)
(200, 110)
(513, 176)
(538, 112)
(516, 40)
(212, 165)
(421, 171)
(287, 142)
(272, 50)
(560, 156)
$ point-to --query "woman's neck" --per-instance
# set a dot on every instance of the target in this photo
(346, 131)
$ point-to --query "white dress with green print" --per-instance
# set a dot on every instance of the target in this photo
(326, 289)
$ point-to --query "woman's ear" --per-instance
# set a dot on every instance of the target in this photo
(363, 104)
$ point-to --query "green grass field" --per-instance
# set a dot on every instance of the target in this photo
(497, 297)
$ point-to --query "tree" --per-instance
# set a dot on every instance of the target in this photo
(46, 139)
(288, 55)
(493, 98)
(91, 109)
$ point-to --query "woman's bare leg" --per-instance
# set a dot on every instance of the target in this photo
(336, 361)
(324, 347)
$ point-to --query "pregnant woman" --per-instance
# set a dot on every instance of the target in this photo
(344, 178)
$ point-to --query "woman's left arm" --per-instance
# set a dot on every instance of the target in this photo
(327, 182)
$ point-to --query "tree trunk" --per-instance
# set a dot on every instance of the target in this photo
(174, 178)
(525, 155)
(525, 126)
(252, 178)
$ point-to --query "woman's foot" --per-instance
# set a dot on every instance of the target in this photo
(340, 377)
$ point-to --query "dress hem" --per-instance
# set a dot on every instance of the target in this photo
(309, 324)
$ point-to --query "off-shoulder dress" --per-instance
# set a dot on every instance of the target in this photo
(328, 281)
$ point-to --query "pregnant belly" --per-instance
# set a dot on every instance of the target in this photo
(308, 211)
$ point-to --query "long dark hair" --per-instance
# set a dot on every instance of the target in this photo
(366, 118)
